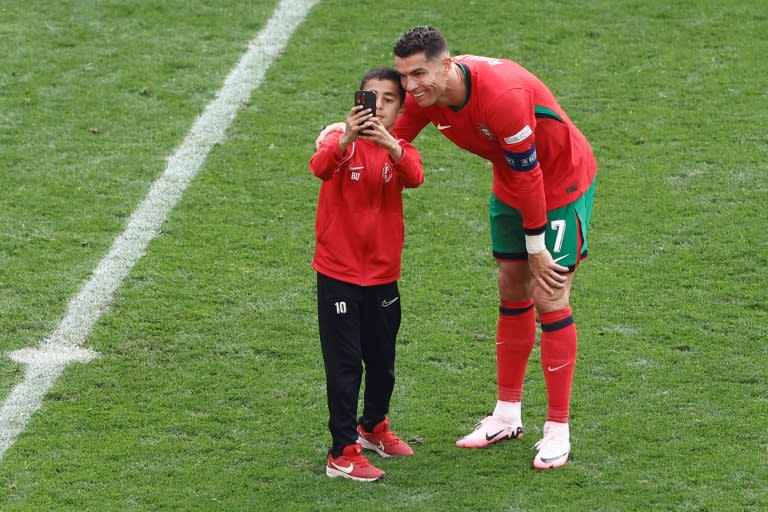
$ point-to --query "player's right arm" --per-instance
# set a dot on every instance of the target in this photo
(411, 121)
(514, 120)
(409, 167)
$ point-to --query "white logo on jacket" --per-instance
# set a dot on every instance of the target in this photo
(386, 173)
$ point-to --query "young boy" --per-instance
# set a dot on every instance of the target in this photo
(359, 240)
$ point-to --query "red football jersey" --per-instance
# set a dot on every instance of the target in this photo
(541, 161)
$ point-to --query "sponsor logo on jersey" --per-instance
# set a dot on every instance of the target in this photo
(519, 136)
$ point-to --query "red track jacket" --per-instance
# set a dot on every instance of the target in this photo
(359, 229)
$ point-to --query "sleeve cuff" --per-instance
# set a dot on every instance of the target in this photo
(535, 243)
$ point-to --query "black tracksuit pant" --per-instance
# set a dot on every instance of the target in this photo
(358, 326)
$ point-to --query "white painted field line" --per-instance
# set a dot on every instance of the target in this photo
(63, 347)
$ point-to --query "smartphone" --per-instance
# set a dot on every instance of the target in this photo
(367, 99)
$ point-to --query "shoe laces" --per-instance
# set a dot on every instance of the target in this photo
(389, 437)
(358, 459)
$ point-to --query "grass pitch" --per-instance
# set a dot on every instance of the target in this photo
(209, 392)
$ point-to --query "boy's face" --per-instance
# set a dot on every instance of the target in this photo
(388, 104)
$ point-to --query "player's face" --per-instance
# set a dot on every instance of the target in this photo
(423, 79)
(388, 104)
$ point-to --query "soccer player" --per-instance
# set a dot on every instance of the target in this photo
(544, 176)
(359, 240)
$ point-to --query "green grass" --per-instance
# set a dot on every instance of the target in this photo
(209, 392)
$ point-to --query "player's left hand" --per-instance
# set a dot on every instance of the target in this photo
(547, 274)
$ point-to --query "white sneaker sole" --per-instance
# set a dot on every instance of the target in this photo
(334, 473)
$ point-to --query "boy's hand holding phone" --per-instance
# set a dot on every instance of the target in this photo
(358, 117)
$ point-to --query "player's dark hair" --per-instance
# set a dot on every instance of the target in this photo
(385, 74)
(421, 39)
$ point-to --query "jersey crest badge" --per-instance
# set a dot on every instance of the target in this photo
(486, 132)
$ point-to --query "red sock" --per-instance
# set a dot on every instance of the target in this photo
(515, 336)
(558, 360)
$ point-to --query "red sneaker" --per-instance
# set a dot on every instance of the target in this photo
(383, 441)
(352, 464)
